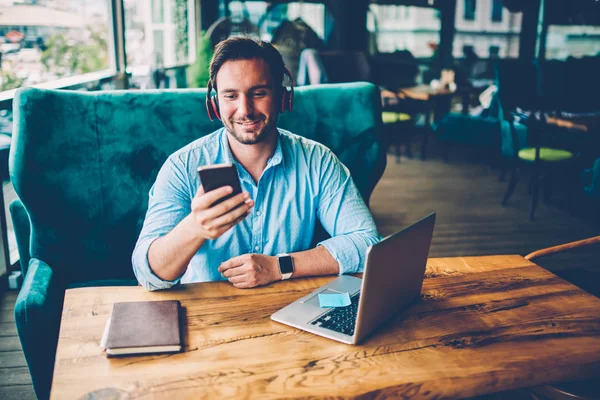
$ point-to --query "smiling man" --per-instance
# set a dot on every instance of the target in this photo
(289, 183)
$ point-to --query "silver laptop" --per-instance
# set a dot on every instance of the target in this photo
(392, 278)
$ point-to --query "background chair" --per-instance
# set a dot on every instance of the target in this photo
(398, 130)
(390, 71)
(4, 150)
(82, 165)
(562, 248)
(591, 188)
(518, 88)
(591, 179)
(475, 131)
(578, 390)
(544, 162)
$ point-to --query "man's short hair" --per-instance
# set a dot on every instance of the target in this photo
(246, 48)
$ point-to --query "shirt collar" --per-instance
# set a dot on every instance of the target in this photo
(227, 154)
(276, 159)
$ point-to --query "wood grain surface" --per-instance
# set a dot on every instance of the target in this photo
(482, 325)
(425, 92)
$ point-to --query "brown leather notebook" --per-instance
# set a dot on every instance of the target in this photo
(144, 327)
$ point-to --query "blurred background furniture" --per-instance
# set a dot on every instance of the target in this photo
(481, 132)
(398, 130)
(432, 103)
(291, 38)
(390, 71)
(518, 90)
(4, 149)
(591, 188)
(574, 390)
(82, 165)
(544, 162)
(563, 247)
(591, 180)
(557, 124)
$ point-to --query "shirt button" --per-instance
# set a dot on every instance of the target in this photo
(256, 248)
(258, 213)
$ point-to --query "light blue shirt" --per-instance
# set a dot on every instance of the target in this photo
(302, 183)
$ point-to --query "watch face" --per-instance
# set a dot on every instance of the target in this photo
(286, 266)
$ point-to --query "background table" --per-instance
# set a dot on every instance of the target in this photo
(482, 325)
(437, 102)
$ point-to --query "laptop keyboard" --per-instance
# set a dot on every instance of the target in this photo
(340, 319)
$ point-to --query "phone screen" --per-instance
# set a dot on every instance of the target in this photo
(214, 176)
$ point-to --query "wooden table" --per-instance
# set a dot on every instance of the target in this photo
(426, 92)
(483, 324)
(565, 123)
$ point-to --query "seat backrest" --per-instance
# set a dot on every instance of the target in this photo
(554, 83)
(395, 70)
(517, 83)
(582, 82)
(592, 186)
(346, 66)
(82, 163)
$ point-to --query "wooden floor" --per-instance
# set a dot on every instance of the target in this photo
(465, 193)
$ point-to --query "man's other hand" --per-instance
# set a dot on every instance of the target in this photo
(213, 221)
(250, 270)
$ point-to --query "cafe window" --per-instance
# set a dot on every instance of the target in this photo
(59, 39)
(418, 32)
(496, 10)
(487, 38)
(573, 29)
(267, 20)
(470, 9)
(159, 34)
(572, 41)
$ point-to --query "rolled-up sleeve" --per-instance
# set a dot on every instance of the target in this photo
(345, 216)
(169, 202)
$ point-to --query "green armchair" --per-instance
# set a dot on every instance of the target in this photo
(82, 165)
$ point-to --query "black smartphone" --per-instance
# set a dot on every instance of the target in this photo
(214, 176)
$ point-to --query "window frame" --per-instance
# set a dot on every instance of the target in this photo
(117, 70)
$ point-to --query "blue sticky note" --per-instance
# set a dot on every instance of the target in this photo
(334, 300)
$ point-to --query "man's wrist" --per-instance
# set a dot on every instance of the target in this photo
(192, 231)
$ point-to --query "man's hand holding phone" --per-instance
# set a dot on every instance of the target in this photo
(218, 205)
(223, 205)
(216, 219)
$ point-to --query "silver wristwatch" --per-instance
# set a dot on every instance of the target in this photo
(286, 265)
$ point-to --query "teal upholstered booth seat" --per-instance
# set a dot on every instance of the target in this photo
(591, 180)
(82, 164)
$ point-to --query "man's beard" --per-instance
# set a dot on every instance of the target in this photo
(262, 135)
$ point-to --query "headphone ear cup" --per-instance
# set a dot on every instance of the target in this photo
(214, 103)
(283, 99)
(209, 109)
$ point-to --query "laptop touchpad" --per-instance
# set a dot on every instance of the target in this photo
(314, 300)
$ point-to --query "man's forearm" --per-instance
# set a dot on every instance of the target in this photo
(317, 261)
(170, 255)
